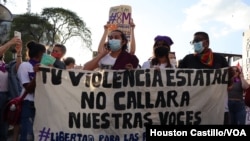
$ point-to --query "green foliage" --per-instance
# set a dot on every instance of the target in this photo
(54, 25)
(32, 27)
(66, 24)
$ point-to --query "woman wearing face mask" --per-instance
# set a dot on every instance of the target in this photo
(132, 37)
(114, 54)
(160, 57)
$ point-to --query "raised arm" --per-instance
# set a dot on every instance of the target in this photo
(6, 46)
(103, 39)
(132, 38)
(244, 83)
(19, 55)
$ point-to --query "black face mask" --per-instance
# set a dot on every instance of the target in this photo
(161, 52)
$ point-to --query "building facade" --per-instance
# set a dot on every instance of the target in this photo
(246, 54)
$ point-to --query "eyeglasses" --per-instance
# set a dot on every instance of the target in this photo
(196, 40)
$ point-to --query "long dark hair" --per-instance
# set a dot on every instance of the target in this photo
(35, 49)
(231, 74)
(155, 61)
(160, 52)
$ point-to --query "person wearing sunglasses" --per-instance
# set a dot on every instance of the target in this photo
(204, 58)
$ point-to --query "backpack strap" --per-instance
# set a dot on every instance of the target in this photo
(14, 85)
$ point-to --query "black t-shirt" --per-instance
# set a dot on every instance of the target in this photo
(193, 62)
(59, 64)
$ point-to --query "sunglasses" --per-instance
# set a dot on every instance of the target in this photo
(196, 40)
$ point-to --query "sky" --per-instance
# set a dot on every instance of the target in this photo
(224, 21)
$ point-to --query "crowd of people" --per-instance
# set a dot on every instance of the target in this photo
(113, 53)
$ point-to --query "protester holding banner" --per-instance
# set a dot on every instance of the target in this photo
(5, 94)
(106, 32)
(204, 58)
(114, 54)
(26, 76)
(236, 102)
(59, 50)
(160, 57)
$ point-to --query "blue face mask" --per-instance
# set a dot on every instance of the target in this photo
(198, 47)
(114, 44)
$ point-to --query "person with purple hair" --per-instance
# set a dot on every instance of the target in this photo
(163, 41)
(161, 51)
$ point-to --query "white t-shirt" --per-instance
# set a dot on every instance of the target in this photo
(147, 65)
(107, 62)
(23, 75)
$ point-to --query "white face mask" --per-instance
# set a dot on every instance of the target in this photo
(173, 62)
(114, 44)
(198, 47)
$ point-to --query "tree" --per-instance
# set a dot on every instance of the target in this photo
(3, 1)
(67, 24)
(32, 27)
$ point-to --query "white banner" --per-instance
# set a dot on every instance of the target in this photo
(116, 105)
